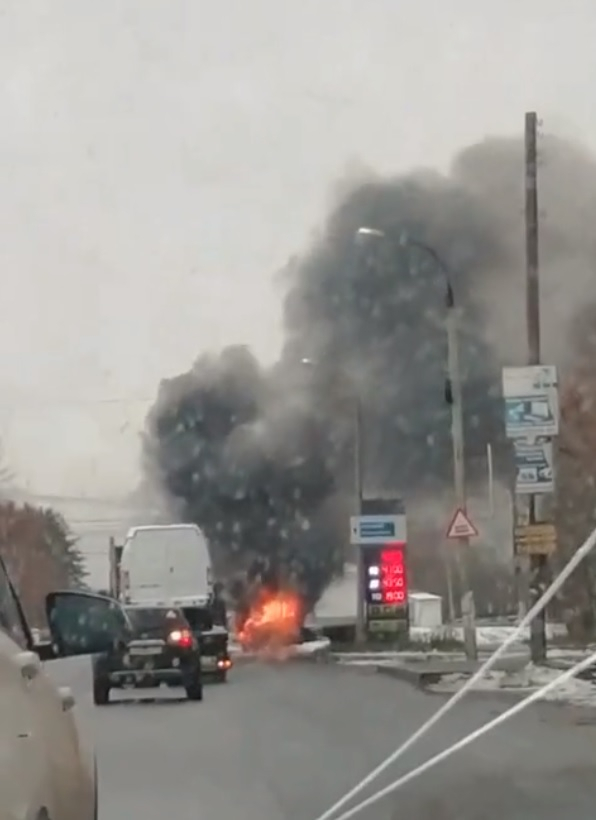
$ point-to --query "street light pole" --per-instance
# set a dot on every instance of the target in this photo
(455, 398)
(459, 476)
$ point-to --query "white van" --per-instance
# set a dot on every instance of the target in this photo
(165, 563)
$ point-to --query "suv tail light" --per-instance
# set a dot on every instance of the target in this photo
(182, 638)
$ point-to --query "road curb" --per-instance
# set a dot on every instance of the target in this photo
(417, 677)
(413, 676)
(319, 656)
(507, 695)
(427, 681)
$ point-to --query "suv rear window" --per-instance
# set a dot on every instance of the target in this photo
(154, 619)
(199, 618)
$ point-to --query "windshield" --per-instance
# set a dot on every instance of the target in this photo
(155, 620)
(298, 325)
(199, 618)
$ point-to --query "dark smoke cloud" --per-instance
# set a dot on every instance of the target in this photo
(262, 458)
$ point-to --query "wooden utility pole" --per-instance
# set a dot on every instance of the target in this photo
(538, 563)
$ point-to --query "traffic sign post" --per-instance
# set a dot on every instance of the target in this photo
(377, 529)
(534, 467)
(461, 526)
(535, 539)
(461, 529)
(531, 401)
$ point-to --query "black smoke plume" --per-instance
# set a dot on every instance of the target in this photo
(262, 458)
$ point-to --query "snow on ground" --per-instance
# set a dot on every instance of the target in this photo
(529, 679)
(486, 635)
(338, 603)
(392, 660)
(487, 638)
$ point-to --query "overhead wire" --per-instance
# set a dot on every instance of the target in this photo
(65, 401)
(546, 597)
(471, 737)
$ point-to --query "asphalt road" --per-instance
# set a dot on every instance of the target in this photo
(282, 742)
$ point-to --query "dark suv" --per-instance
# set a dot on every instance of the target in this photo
(160, 647)
(213, 640)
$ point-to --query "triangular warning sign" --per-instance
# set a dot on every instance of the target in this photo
(461, 526)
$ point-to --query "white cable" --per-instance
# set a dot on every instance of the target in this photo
(552, 590)
(465, 741)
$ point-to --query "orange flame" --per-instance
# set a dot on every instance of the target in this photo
(274, 622)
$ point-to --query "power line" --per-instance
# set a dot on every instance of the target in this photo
(43, 402)
(119, 503)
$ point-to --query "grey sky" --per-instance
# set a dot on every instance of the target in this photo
(161, 160)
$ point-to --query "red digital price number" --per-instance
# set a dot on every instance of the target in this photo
(394, 597)
(393, 583)
(392, 556)
(392, 570)
(393, 580)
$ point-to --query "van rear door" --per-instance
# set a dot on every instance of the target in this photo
(145, 561)
(188, 564)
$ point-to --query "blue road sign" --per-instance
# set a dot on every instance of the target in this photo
(531, 401)
(530, 415)
(377, 529)
(534, 467)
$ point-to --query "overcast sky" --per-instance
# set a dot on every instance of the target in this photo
(161, 160)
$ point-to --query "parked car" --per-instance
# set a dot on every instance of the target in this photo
(44, 771)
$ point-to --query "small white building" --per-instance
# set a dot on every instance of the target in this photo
(426, 610)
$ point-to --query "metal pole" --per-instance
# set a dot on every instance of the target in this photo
(360, 574)
(521, 587)
(457, 430)
(491, 480)
(449, 580)
(457, 436)
(538, 563)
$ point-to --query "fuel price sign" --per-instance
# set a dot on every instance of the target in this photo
(386, 591)
(386, 576)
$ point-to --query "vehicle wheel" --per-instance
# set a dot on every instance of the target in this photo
(101, 691)
(194, 690)
(221, 677)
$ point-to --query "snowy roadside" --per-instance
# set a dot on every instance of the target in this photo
(524, 681)
(486, 635)
(488, 639)
(308, 649)
(450, 668)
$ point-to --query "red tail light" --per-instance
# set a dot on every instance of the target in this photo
(182, 638)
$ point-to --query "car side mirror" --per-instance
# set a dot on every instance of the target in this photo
(82, 623)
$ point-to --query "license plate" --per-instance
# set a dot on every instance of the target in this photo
(208, 663)
(145, 650)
